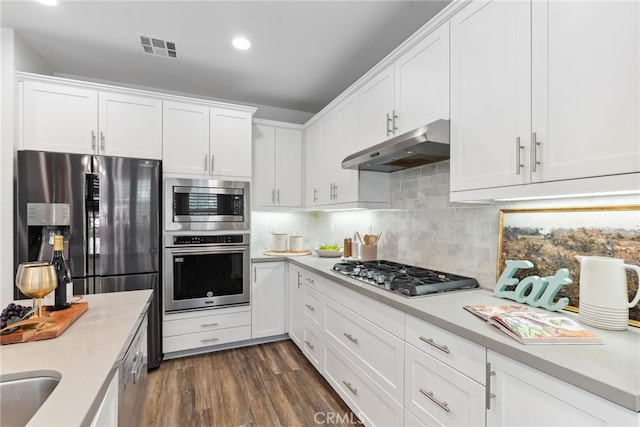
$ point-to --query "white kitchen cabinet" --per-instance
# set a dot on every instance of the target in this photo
(522, 396)
(66, 118)
(206, 141)
(532, 102)
(267, 299)
(277, 166)
(328, 142)
(192, 332)
(295, 305)
(313, 345)
(107, 414)
(411, 92)
(440, 395)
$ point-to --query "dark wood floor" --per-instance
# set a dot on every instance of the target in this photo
(264, 385)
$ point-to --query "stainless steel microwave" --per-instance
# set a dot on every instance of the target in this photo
(205, 205)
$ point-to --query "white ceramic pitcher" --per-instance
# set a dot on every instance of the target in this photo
(604, 300)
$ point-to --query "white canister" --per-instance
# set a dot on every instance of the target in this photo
(295, 244)
(279, 242)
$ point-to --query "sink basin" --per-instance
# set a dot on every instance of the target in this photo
(22, 394)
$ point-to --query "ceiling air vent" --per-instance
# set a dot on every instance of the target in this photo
(158, 47)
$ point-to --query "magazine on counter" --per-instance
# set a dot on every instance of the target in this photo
(533, 327)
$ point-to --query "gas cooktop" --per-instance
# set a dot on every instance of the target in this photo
(404, 279)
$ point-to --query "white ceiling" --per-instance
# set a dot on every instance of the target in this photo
(304, 53)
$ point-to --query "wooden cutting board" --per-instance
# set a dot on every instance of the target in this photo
(52, 325)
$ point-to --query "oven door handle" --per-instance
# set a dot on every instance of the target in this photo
(209, 250)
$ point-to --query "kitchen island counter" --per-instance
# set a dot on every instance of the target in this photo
(611, 370)
(84, 355)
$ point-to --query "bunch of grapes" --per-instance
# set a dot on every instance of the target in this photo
(12, 313)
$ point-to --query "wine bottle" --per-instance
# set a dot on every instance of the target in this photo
(65, 288)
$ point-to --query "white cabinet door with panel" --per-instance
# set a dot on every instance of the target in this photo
(58, 118)
(267, 299)
(296, 305)
(523, 396)
(376, 108)
(230, 143)
(277, 166)
(185, 129)
(130, 126)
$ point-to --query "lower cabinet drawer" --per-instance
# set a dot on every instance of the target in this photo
(438, 394)
(312, 345)
(205, 339)
(205, 323)
(411, 420)
(377, 352)
(366, 399)
(313, 306)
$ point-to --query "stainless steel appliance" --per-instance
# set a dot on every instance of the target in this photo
(133, 378)
(206, 205)
(108, 209)
(205, 271)
(405, 280)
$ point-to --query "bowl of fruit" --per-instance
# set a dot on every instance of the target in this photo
(328, 251)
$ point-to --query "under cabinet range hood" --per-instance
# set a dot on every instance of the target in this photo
(427, 144)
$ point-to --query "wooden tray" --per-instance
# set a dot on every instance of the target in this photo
(287, 253)
(52, 326)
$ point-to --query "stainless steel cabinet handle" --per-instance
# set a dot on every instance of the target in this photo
(206, 162)
(350, 387)
(310, 307)
(309, 344)
(102, 141)
(354, 340)
(93, 140)
(273, 196)
(309, 280)
(213, 157)
(278, 196)
(389, 120)
(430, 396)
(209, 340)
(207, 325)
(335, 191)
(534, 152)
(315, 194)
(519, 147)
(299, 277)
(394, 116)
(434, 344)
(487, 389)
(255, 274)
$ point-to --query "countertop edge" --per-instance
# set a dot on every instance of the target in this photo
(520, 353)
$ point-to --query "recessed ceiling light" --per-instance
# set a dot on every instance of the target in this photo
(241, 43)
(48, 2)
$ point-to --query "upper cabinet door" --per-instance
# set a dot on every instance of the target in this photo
(59, 118)
(375, 113)
(344, 144)
(490, 94)
(230, 143)
(288, 167)
(313, 169)
(586, 88)
(130, 126)
(264, 166)
(185, 130)
(422, 82)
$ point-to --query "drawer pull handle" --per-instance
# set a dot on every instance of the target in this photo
(429, 395)
(350, 387)
(354, 340)
(207, 325)
(310, 307)
(434, 344)
(309, 280)
(209, 340)
(309, 344)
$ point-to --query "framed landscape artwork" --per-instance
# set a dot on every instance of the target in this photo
(550, 238)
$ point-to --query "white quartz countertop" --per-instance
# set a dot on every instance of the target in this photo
(611, 370)
(84, 355)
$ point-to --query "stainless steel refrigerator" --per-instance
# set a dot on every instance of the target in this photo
(107, 209)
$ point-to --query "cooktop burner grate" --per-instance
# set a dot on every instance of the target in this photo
(404, 279)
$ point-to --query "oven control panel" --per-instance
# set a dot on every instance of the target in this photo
(209, 239)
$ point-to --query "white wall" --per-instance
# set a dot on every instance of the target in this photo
(27, 60)
(6, 162)
(422, 228)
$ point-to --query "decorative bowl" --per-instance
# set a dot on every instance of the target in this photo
(328, 254)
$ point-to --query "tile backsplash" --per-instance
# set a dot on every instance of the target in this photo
(422, 227)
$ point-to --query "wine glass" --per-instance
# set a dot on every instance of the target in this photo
(36, 279)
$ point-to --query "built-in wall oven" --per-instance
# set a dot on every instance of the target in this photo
(206, 271)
